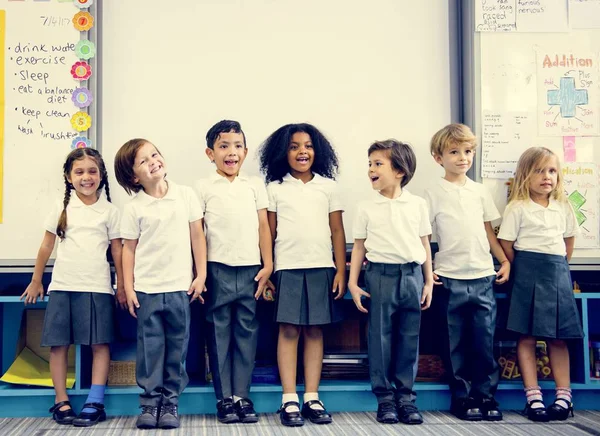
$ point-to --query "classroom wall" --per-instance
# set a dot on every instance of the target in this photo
(360, 71)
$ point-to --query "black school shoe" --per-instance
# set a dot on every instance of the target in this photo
(489, 410)
(168, 417)
(557, 412)
(466, 409)
(290, 419)
(387, 413)
(316, 416)
(226, 411)
(408, 413)
(245, 411)
(537, 414)
(148, 418)
(63, 417)
(87, 419)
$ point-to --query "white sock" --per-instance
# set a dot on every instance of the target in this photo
(563, 397)
(534, 393)
(290, 397)
(236, 398)
(310, 396)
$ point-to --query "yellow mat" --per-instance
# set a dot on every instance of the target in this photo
(30, 369)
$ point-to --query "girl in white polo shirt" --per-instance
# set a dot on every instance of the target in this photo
(81, 305)
(538, 233)
(305, 217)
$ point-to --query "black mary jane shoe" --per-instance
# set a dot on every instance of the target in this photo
(87, 419)
(245, 411)
(558, 412)
(64, 417)
(316, 416)
(537, 414)
(290, 419)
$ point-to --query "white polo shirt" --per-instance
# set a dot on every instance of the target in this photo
(457, 215)
(392, 229)
(231, 217)
(303, 233)
(81, 264)
(163, 256)
(539, 229)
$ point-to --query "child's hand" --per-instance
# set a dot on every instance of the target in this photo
(121, 297)
(426, 296)
(263, 280)
(356, 293)
(339, 284)
(503, 273)
(34, 291)
(132, 303)
(436, 279)
(196, 289)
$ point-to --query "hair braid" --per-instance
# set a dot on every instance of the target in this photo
(61, 228)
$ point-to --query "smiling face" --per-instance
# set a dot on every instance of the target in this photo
(384, 177)
(544, 178)
(456, 159)
(301, 154)
(149, 166)
(228, 154)
(85, 178)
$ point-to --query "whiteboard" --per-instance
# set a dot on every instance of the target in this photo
(506, 80)
(359, 71)
(38, 54)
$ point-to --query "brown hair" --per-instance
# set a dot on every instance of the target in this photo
(532, 159)
(402, 156)
(452, 134)
(78, 154)
(124, 162)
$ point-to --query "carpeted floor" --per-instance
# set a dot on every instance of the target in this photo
(350, 424)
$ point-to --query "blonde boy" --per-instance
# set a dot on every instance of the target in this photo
(461, 212)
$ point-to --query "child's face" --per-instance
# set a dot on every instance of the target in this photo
(301, 153)
(544, 179)
(228, 154)
(382, 174)
(456, 159)
(85, 178)
(149, 166)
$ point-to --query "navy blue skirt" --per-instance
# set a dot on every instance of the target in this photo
(542, 302)
(304, 297)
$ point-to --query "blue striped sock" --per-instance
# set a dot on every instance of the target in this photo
(96, 395)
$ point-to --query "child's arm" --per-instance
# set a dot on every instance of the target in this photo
(35, 289)
(504, 271)
(570, 244)
(338, 240)
(507, 246)
(272, 218)
(116, 249)
(436, 279)
(199, 252)
(356, 261)
(266, 252)
(426, 296)
(128, 260)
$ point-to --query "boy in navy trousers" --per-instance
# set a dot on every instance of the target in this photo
(238, 237)
(461, 212)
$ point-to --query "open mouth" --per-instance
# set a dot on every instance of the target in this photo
(231, 163)
(154, 170)
(302, 159)
(374, 179)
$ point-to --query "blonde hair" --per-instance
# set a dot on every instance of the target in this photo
(452, 134)
(532, 159)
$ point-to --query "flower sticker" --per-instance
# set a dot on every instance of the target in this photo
(81, 142)
(83, 21)
(81, 70)
(83, 4)
(82, 97)
(81, 121)
(85, 49)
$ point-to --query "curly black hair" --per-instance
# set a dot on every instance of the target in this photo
(273, 153)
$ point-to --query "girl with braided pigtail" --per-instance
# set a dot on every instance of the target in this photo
(81, 304)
